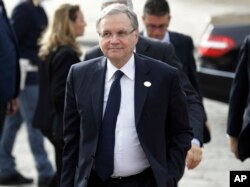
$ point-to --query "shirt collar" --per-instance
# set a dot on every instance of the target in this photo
(166, 37)
(128, 69)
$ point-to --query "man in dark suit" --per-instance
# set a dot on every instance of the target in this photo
(9, 68)
(238, 127)
(156, 18)
(165, 52)
(150, 136)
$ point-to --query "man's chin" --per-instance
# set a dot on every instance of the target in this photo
(114, 54)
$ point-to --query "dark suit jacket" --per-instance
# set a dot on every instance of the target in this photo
(239, 104)
(29, 21)
(52, 81)
(9, 65)
(165, 52)
(184, 49)
(160, 115)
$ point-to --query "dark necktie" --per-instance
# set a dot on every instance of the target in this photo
(104, 162)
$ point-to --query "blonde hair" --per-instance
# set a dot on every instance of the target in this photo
(60, 32)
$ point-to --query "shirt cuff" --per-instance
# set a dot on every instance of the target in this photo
(196, 141)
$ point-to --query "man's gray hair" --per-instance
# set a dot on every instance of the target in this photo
(115, 9)
(106, 3)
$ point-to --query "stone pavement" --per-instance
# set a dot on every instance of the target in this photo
(217, 159)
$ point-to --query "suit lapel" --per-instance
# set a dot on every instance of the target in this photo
(97, 90)
(141, 91)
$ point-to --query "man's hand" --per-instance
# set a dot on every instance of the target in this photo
(12, 107)
(194, 156)
(233, 143)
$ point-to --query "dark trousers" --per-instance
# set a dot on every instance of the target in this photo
(144, 179)
(2, 116)
(58, 158)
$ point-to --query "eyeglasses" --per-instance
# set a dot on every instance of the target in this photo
(154, 27)
(120, 34)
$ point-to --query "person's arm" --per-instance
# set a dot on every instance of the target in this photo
(21, 20)
(192, 69)
(196, 111)
(9, 65)
(71, 134)
(233, 144)
(238, 97)
(12, 107)
(61, 64)
(194, 156)
(181, 132)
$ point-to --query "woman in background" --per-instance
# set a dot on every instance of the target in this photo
(59, 50)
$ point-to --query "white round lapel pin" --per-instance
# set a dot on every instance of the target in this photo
(147, 83)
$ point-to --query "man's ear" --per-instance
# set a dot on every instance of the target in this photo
(143, 18)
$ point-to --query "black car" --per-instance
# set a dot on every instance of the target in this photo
(218, 54)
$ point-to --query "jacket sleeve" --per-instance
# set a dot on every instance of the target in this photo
(21, 20)
(196, 111)
(71, 135)
(180, 132)
(60, 68)
(192, 69)
(239, 92)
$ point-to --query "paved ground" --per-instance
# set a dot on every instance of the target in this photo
(217, 160)
(190, 17)
(212, 172)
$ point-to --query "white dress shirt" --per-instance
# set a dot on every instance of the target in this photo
(129, 158)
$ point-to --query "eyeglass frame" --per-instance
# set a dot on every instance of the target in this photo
(120, 34)
(161, 27)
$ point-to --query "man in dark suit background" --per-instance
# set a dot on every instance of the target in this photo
(156, 18)
(238, 127)
(165, 52)
(152, 133)
(9, 68)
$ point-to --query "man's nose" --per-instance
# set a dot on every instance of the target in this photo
(114, 38)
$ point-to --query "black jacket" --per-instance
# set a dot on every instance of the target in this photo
(52, 81)
(239, 103)
(29, 21)
(9, 59)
